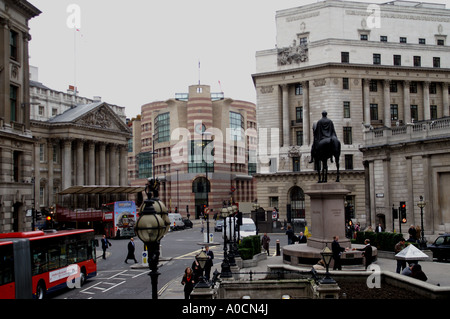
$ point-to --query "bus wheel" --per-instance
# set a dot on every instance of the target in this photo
(83, 277)
(40, 290)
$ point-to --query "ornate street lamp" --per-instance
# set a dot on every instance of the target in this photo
(421, 204)
(226, 271)
(202, 258)
(231, 259)
(152, 225)
(327, 254)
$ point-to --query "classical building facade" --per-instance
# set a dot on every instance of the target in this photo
(198, 145)
(16, 141)
(403, 163)
(77, 142)
(369, 66)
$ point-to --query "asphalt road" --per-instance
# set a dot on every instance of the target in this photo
(117, 280)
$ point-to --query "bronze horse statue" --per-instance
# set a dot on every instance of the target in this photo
(326, 146)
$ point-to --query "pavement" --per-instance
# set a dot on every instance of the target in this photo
(438, 273)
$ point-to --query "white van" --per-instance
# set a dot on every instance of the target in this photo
(248, 228)
(176, 222)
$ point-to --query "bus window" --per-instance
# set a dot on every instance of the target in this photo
(40, 262)
(82, 251)
(71, 254)
(6, 264)
(54, 254)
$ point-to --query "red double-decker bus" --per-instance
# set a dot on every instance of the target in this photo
(33, 264)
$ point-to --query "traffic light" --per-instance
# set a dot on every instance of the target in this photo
(403, 212)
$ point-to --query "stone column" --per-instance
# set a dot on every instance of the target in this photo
(102, 164)
(426, 100)
(80, 163)
(286, 124)
(387, 103)
(306, 119)
(445, 103)
(50, 173)
(123, 165)
(91, 168)
(113, 172)
(366, 102)
(406, 103)
(67, 164)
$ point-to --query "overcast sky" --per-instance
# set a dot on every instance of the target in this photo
(139, 51)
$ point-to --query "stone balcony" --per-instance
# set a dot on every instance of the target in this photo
(411, 132)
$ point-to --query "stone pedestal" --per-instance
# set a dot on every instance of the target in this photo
(327, 214)
(328, 291)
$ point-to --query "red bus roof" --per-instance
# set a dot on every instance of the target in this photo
(44, 234)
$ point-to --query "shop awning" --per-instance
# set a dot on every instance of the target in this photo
(102, 190)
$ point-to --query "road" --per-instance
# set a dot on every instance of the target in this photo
(117, 280)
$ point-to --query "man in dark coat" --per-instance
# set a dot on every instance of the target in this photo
(337, 251)
(367, 252)
(105, 243)
(209, 262)
(131, 249)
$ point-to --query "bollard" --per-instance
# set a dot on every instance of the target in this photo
(278, 247)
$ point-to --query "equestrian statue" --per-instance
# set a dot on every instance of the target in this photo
(325, 146)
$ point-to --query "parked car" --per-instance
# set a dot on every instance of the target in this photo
(441, 247)
(176, 222)
(219, 225)
(187, 222)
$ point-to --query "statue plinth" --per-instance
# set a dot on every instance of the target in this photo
(327, 214)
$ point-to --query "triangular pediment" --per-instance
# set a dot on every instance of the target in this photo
(102, 117)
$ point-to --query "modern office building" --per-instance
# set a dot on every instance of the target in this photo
(16, 140)
(369, 66)
(198, 145)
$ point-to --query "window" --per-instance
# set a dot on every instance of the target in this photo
(13, 36)
(347, 135)
(383, 38)
(436, 62)
(393, 86)
(236, 126)
(417, 61)
(364, 37)
(414, 113)
(440, 42)
(299, 135)
(347, 110)
(433, 112)
(373, 86)
(41, 110)
(348, 162)
(299, 114)
(55, 153)
(345, 84)
(145, 164)
(298, 89)
(374, 112)
(432, 88)
(17, 161)
(13, 102)
(422, 41)
(403, 40)
(162, 127)
(376, 58)
(54, 112)
(42, 153)
(303, 40)
(394, 112)
(251, 162)
(397, 59)
(413, 87)
(198, 164)
(345, 57)
(296, 164)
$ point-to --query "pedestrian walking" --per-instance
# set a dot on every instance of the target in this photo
(131, 249)
(265, 243)
(188, 282)
(209, 262)
(105, 244)
(290, 235)
(401, 264)
(203, 225)
(197, 270)
(367, 252)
